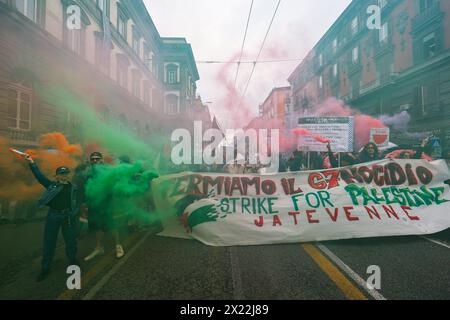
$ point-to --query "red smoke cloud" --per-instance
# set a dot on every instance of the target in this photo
(237, 110)
(304, 132)
(333, 107)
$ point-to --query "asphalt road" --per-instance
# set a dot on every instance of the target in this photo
(160, 268)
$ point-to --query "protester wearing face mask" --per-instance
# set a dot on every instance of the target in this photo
(60, 197)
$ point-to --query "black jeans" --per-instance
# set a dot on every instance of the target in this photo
(55, 221)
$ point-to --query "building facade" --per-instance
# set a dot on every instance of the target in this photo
(112, 56)
(107, 54)
(399, 63)
(276, 104)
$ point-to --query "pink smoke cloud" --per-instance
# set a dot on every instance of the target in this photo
(362, 123)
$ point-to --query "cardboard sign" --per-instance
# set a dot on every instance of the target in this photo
(339, 130)
(380, 136)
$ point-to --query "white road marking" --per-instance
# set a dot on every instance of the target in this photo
(91, 294)
(437, 242)
(235, 274)
(352, 274)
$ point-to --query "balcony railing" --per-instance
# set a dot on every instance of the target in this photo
(430, 110)
(370, 86)
(19, 137)
(429, 15)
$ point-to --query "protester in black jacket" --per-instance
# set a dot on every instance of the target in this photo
(369, 153)
(61, 198)
(347, 159)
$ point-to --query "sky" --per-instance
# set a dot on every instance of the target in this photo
(215, 29)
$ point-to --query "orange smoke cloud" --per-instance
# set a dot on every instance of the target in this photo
(16, 183)
(54, 150)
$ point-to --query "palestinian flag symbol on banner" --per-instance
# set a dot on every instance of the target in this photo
(188, 210)
(193, 210)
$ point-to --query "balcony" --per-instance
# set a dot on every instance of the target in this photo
(19, 137)
(383, 48)
(429, 16)
(433, 110)
(369, 87)
(354, 68)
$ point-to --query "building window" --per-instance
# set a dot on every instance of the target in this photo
(19, 107)
(148, 58)
(382, 3)
(321, 82)
(384, 32)
(335, 70)
(28, 8)
(122, 75)
(103, 5)
(102, 55)
(320, 60)
(335, 45)
(123, 122)
(172, 76)
(137, 127)
(122, 24)
(156, 69)
(135, 42)
(424, 5)
(75, 40)
(172, 102)
(147, 95)
(429, 46)
(136, 85)
(355, 55)
(355, 25)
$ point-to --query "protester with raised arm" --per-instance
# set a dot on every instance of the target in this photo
(60, 196)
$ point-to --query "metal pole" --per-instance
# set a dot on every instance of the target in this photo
(339, 159)
(309, 159)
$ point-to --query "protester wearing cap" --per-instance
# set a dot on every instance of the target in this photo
(61, 199)
(100, 216)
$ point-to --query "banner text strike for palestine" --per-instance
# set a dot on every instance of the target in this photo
(381, 198)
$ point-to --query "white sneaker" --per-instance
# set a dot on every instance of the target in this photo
(96, 252)
(119, 251)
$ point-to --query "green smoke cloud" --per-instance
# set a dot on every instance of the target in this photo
(113, 136)
(122, 190)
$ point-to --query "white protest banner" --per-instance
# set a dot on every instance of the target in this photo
(339, 130)
(381, 198)
(380, 136)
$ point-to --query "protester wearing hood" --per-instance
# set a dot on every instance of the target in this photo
(425, 150)
(282, 163)
(295, 162)
(369, 153)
